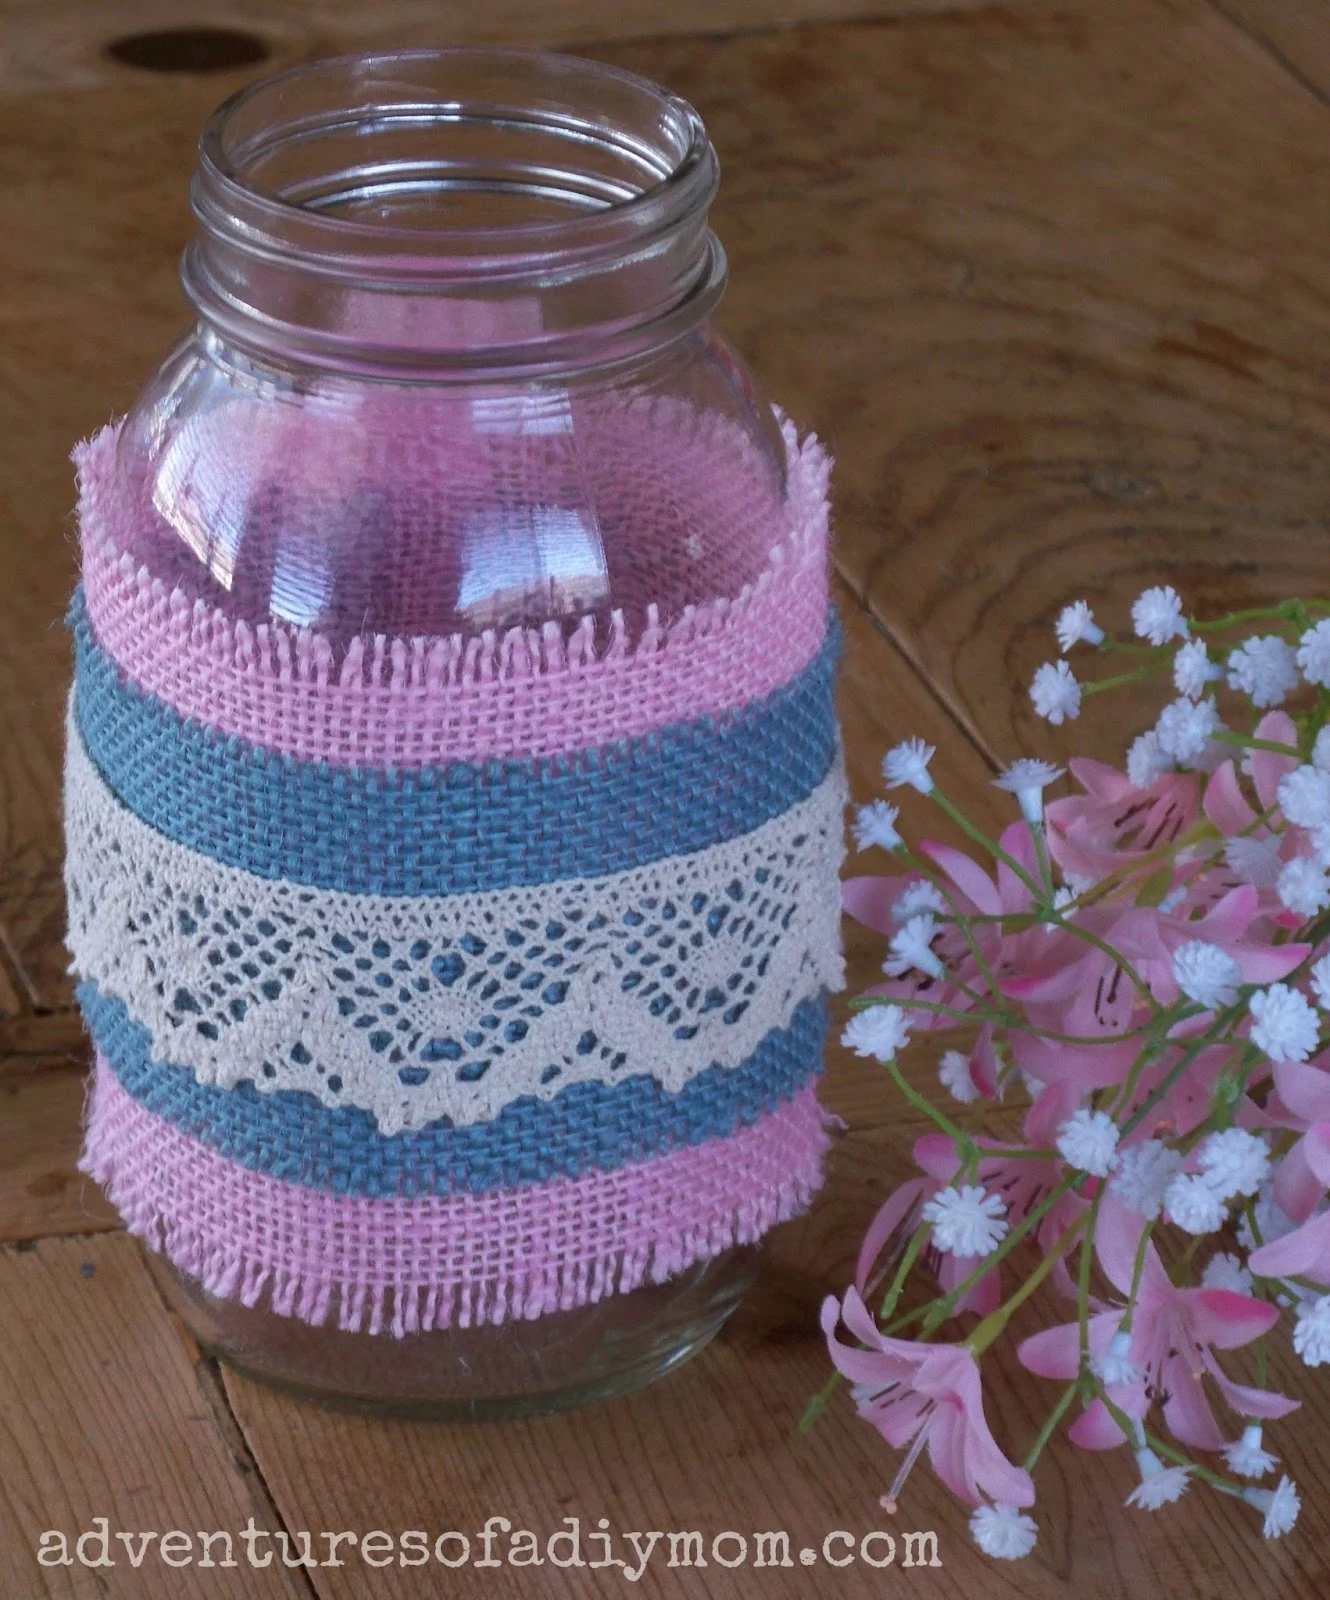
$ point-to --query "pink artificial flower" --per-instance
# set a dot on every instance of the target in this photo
(1304, 1253)
(1174, 1334)
(1228, 808)
(1302, 1092)
(1114, 823)
(1021, 1182)
(1090, 995)
(925, 1396)
(975, 894)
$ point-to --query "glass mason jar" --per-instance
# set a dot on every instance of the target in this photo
(454, 375)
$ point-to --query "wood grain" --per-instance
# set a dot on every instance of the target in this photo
(101, 1415)
(1053, 285)
(56, 44)
(1052, 281)
(42, 1193)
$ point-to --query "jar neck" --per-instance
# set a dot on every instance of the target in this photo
(454, 214)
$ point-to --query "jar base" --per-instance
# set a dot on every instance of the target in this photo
(518, 1368)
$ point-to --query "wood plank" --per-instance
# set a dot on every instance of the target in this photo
(716, 1446)
(1053, 286)
(101, 1415)
(1294, 33)
(42, 1193)
(52, 44)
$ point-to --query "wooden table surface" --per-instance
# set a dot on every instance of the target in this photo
(1053, 281)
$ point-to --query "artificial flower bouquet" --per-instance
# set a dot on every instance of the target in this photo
(1148, 961)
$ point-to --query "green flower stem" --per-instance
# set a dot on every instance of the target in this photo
(993, 1324)
(1213, 1035)
(1041, 856)
(1001, 1018)
(1137, 675)
(907, 1261)
(939, 1309)
(994, 849)
(923, 1103)
(930, 872)
(1161, 1447)
(818, 1404)
(1083, 1282)
(1246, 742)
(1285, 611)
(1137, 1271)
(1115, 956)
(1054, 1417)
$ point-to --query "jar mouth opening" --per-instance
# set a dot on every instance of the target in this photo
(454, 153)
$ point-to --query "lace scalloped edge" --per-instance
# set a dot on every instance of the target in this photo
(152, 921)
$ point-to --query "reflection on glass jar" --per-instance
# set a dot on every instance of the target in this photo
(454, 800)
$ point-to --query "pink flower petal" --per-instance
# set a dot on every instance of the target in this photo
(869, 900)
(1268, 766)
(1056, 1352)
(1304, 1087)
(883, 1229)
(1095, 1429)
(1225, 804)
(1115, 1239)
(1305, 1251)
(1227, 1319)
(1187, 1409)
(968, 876)
(1246, 1401)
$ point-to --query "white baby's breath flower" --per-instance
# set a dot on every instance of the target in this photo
(1320, 976)
(1320, 843)
(1193, 1205)
(1304, 797)
(912, 949)
(967, 1221)
(1147, 760)
(1314, 654)
(1076, 622)
(1285, 1027)
(1263, 668)
(1088, 1141)
(919, 896)
(1248, 1457)
(956, 1078)
(877, 1031)
(1279, 1507)
(1224, 1270)
(1157, 615)
(1255, 861)
(1185, 727)
(1311, 1332)
(1027, 779)
(1159, 1485)
(1143, 1175)
(1303, 886)
(1115, 1366)
(1193, 669)
(1055, 693)
(1206, 974)
(1003, 1532)
(1321, 750)
(1234, 1162)
(875, 824)
(908, 763)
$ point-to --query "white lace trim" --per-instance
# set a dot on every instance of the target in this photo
(478, 998)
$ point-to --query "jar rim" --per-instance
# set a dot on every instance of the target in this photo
(688, 178)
